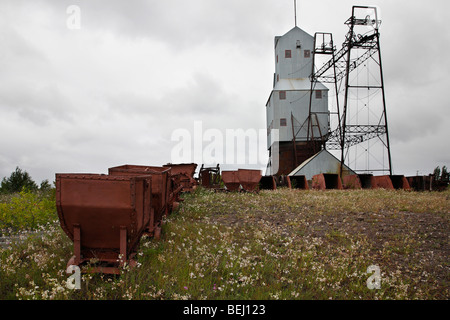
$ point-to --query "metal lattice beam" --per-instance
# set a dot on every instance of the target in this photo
(355, 134)
(338, 68)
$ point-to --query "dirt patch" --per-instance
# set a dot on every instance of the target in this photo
(413, 243)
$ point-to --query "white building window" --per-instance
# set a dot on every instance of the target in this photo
(318, 94)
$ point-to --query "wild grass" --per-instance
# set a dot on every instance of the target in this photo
(282, 244)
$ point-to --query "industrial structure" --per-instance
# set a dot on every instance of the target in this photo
(288, 106)
(105, 216)
(348, 118)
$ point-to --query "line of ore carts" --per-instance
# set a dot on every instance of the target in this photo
(106, 215)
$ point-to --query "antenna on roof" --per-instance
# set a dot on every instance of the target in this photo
(295, 11)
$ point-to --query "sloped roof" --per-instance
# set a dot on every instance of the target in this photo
(300, 84)
(297, 84)
(304, 163)
(331, 157)
(294, 29)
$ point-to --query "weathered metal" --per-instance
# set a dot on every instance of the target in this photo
(283, 181)
(105, 217)
(249, 179)
(383, 182)
(367, 181)
(183, 174)
(421, 183)
(298, 182)
(231, 180)
(326, 181)
(391, 182)
(400, 182)
(268, 183)
(163, 196)
(209, 177)
(351, 182)
(359, 181)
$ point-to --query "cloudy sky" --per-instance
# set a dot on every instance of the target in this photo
(116, 89)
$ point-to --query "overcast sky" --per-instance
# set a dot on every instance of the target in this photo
(115, 90)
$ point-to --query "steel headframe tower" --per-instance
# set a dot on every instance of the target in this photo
(362, 119)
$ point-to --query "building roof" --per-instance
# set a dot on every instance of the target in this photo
(327, 164)
(297, 84)
(304, 163)
(294, 29)
(302, 84)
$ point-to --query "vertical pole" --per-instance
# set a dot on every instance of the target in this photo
(294, 141)
(123, 245)
(77, 243)
(313, 80)
(384, 104)
(347, 73)
(336, 88)
(295, 11)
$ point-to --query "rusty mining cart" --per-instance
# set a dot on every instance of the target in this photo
(162, 194)
(231, 180)
(106, 215)
(183, 174)
(248, 179)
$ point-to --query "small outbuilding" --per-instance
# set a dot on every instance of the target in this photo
(321, 162)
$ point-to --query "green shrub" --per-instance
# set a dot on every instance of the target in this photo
(27, 210)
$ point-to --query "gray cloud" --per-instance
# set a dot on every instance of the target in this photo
(184, 24)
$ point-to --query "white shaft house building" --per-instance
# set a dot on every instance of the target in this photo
(288, 107)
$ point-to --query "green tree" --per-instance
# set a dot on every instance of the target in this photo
(45, 186)
(437, 173)
(444, 174)
(18, 181)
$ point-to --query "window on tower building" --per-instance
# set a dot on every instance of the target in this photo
(282, 95)
(287, 54)
(307, 53)
(283, 122)
(318, 94)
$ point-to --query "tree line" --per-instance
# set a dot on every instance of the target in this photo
(21, 180)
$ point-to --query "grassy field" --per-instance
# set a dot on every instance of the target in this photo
(283, 244)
